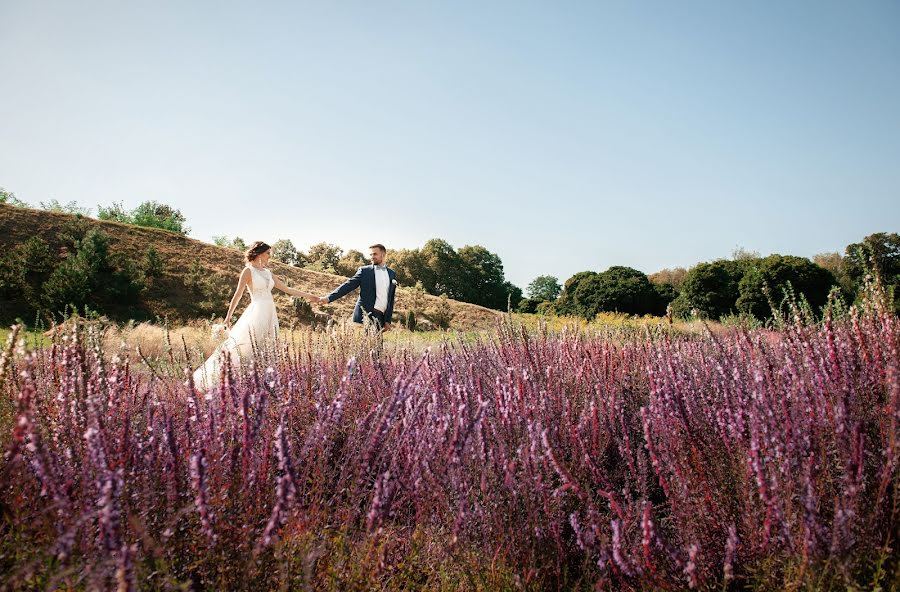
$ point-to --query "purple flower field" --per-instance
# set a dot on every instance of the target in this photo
(761, 460)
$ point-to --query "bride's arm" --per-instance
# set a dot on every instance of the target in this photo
(243, 282)
(292, 291)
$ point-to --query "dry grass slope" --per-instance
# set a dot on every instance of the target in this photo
(171, 297)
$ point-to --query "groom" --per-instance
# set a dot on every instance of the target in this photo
(377, 286)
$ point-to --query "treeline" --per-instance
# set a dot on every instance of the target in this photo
(470, 274)
(151, 214)
(747, 284)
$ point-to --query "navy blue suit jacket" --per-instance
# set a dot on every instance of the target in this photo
(364, 279)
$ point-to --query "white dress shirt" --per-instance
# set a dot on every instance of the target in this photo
(382, 282)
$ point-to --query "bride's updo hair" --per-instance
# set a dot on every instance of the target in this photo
(255, 250)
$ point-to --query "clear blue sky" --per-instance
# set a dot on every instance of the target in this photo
(563, 136)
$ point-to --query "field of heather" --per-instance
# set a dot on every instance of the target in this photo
(524, 458)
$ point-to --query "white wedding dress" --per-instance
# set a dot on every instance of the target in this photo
(258, 325)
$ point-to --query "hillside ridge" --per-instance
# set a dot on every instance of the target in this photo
(170, 296)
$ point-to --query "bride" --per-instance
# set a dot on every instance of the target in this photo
(258, 324)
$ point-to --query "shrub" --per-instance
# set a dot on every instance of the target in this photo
(711, 288)
(153, 265)
(92, 278)
(776, 274)
(302, 310)
(211, 292)
(529, 305)
(9, 198)
(71, 207)
(151, 214)
(235, 243)
(618, 289)
(441, 314)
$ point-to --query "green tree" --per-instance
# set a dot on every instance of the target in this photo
(350, 262)
(529, 305)
(235, 243)
(152, 265)
(774, 274)
(114, 213)
(159, 215)
(411, 267)
(565, 304)
(483, 280)
(211, 292)
(65, 208)
(23, 271)
(881, 250)
(445, 270)
(544, 288)
(618, 289)
(92, 277)
(711, 288)
(324, 257)
(9, 198)
(441, 314)
(284, 250)
(151, 214)
(665, 294)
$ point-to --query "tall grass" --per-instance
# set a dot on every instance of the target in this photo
(620, 459)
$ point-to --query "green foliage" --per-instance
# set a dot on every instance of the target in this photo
(284, 250)
(544, 287)
(71, 207)
(151, 214)
(153, 263)
(158, 215)
(566, 304)
(92, 278)
(9, 198)
(482, 278)
(665, 294)
(444, 273)
(235, 243)
(711, 289)
(440, 314)
(350, 262)
(410, 266)
(114, 213)
(768, 281)
(529, 305)
(618, 289)
(210, 291)
(302, 310)
(417, 298)
(324, 257)
(23, 271)
(879, 252)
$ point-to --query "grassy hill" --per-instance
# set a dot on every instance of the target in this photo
(170, 297)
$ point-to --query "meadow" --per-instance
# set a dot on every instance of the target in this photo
(620, 455)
